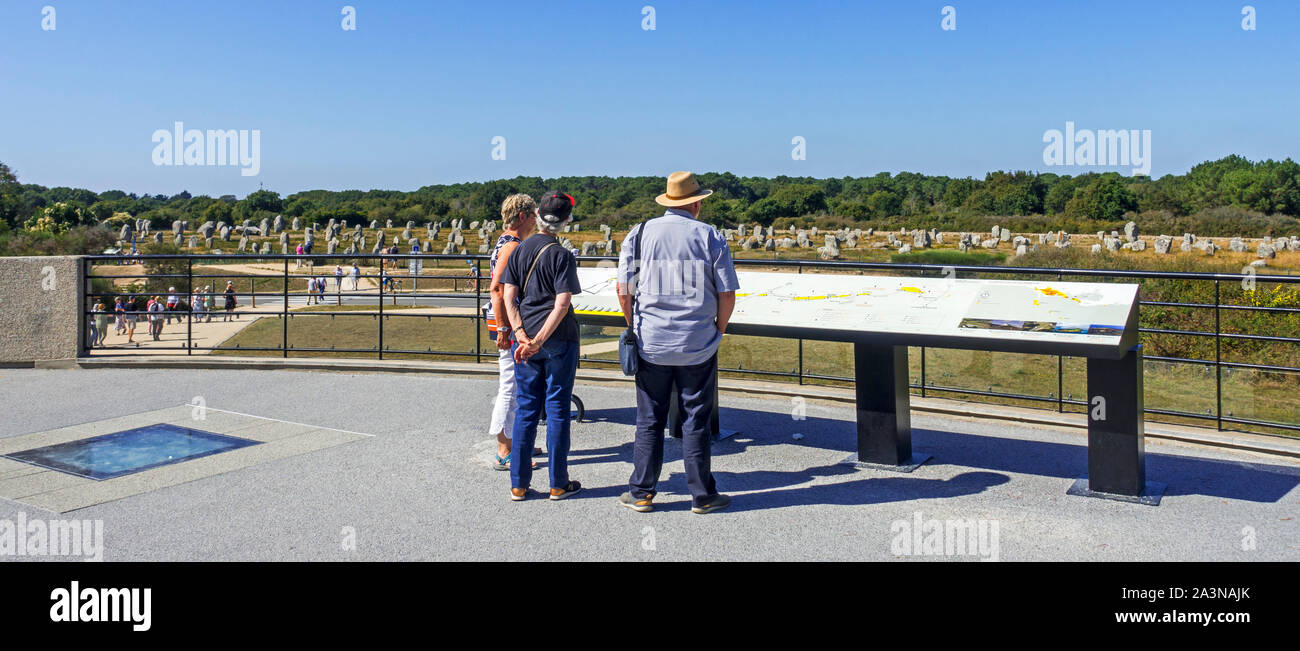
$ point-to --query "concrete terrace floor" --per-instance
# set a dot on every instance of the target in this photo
(421, 487)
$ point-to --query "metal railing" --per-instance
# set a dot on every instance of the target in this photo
(471, 284)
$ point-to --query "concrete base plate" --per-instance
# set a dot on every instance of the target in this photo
(918, 458)
(1150, 496)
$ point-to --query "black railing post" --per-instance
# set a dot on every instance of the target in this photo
(478, 313)
(189, 300)
(284, 313)
(799, 269)
(381, 310)
(922, 371)
(1060, 371)
(1218, 363)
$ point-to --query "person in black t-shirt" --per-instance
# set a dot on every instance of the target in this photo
(540, 280)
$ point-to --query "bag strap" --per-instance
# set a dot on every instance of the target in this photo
(531, 267)
(636, 265)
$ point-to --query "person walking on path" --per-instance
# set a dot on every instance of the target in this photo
(356, 277)
(338, 279)
(210, 302)
(230, 301)
(172, 301)
(131, 317)
(677, 298)
(156, 314)
(101, 321)
(540, 280)
(119, 316)
(518, 218)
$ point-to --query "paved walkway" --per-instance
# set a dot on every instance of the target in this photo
(421, 486)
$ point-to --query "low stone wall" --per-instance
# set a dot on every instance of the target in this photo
(41, 302)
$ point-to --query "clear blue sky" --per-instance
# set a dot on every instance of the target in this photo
(415, 95)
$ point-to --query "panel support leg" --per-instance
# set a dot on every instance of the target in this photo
(1116, 450)
(884, 417)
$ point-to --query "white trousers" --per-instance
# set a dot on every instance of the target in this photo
(503, 410)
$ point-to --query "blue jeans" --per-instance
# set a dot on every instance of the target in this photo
(543, 383)
(695, 386)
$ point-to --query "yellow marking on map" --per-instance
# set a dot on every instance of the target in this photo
(1048, 291)
(914, 290)
(818, 298)
(599, 312)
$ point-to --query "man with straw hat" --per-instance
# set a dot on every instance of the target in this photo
(677, 288)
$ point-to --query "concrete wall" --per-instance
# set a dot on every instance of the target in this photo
(41, 301)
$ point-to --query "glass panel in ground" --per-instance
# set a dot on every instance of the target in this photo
(129, 451)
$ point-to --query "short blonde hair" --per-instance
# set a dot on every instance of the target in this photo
(512, 206)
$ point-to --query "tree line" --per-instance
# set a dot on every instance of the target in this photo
(1229, 196)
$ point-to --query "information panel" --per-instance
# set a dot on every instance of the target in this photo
(1029, 316)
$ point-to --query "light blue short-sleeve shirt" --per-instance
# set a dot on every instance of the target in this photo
(684, 265)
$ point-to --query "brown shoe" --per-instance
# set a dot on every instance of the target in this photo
(569, 489)
(518, 494)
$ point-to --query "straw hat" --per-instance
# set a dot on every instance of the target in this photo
(683, 190)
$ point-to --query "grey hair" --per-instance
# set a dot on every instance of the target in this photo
(552, 228)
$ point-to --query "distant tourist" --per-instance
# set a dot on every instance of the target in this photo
(540, 280)
(678, 303)
(131, 317)
(119, 316)
(156, 314)
(101, 322)
(356, 277)
(210, 302)
(338, 278)
(518, 218)
(172, 301)
(230, 301)
(298, 251)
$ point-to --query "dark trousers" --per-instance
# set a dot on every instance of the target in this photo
(543, 387)
(695, 386)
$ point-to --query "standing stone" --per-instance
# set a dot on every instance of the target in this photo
(1265, 251)
(1130, 232)
(1163, 243)
(243, 243)
(180, 239)
(297, 224)
(125, 233)
(157, 238)
(1237, 245)
(194, 241)
(265, 227)
(277, 226)
(996, 231)
(1005, 235)
(388, 223)
(333, 245)
(406, 235)
(380, 238)
(374, 223)
(178, 227)
(226, 232)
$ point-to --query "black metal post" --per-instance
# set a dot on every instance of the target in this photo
(1116, 450)
(284, 313)
(883, 408)
(478, 314)
(189, 300)
(1218, 363)
(381, 310)
(922, 371)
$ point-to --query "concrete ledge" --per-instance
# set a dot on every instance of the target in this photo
(1259, 443)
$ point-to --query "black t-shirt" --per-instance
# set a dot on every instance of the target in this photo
(556, 272)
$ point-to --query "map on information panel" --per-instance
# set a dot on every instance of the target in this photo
(1065, 312)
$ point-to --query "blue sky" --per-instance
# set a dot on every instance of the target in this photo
(416, 93)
